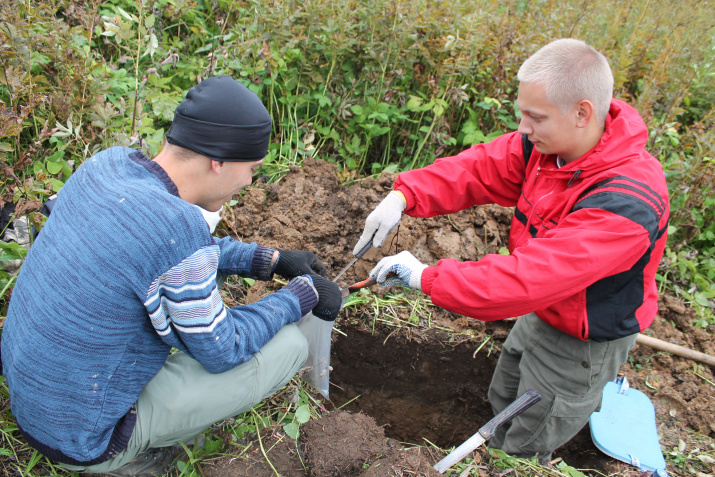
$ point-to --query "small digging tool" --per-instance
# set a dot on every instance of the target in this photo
(352, 262)
(486, 432)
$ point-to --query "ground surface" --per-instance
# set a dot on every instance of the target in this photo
(422, 374)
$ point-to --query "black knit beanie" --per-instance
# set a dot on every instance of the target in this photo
(223, 120)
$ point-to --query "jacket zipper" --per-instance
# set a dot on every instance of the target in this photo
(573, 179)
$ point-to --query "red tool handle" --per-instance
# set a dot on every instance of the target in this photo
(368, 282)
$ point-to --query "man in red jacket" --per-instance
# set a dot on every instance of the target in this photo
(589, 229)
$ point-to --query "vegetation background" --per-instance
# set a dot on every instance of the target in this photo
(372, 85)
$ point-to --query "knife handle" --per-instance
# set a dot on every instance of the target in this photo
(522, 403)
(364, 249)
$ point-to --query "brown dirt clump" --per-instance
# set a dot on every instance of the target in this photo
(341, 443)
(424, 373)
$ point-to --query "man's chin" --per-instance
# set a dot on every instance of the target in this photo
(541, 148)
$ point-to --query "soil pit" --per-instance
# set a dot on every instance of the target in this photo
(417, 389)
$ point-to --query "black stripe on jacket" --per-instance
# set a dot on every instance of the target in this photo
(611, 302)
(521, 217)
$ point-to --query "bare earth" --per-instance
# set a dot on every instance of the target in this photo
(421, 375)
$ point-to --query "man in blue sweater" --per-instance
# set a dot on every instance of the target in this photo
(125, 270)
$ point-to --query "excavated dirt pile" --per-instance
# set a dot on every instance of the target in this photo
(419, 374)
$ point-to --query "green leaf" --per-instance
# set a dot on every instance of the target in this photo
(414, 103)
(56, 184)
(152, 43)
(379, 116)
(302, 414)
(292, 430)
(212, 446)
(163, 106)
(57, 155)
(11, 251)
(125, 15)
(205, 48)
(54, 167)
(701, 299)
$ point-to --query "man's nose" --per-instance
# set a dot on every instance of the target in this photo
(525, 127)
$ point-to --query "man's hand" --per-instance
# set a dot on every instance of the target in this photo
(401, 269)
(382, 221)
(330, 298)
(293, 263)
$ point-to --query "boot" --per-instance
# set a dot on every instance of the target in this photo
(153, 462)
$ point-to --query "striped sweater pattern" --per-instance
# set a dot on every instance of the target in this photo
(123, 271)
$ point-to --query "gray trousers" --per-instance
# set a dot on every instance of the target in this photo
(568, 373)
(183, 399)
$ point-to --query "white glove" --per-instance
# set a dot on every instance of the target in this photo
(382, 221)
(401, 269)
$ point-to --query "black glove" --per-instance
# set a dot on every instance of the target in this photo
(293, 263)
(329, 298)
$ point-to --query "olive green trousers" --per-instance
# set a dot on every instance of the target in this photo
(570, 375)
(183, 399)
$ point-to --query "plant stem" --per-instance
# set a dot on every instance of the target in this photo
(136, 67)
(260, 442)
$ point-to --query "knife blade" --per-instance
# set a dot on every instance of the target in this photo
(352, 262)
(486, 432)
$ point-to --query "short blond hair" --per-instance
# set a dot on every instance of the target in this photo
(570, 71)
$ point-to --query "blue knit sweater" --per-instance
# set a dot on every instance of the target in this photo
(123, 271)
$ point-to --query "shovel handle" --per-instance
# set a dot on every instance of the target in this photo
(523, 402)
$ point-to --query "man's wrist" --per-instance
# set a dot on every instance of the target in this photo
(302, 287)
(261, 268)
(402, 196)
(274, 260)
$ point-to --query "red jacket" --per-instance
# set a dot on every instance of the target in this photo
(585, 240)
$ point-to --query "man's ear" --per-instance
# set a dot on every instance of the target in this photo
(216, 166)
(584, 113)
